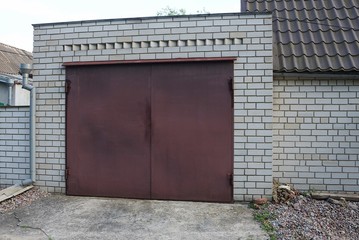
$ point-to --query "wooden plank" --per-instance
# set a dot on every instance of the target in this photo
(13, 191)
(326, 195)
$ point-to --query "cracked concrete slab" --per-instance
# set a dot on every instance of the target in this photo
(67, 217)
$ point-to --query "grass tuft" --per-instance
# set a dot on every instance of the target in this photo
(263, 216)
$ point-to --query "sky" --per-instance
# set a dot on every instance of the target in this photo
(17, 16)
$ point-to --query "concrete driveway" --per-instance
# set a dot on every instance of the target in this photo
(65, 217)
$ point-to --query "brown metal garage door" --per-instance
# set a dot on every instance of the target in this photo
(151, 130)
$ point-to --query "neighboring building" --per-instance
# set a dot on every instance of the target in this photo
(11, 92)
(315, 92)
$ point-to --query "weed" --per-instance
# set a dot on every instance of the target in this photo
(256, 207)
(309, 192)
(264, 216)
(252, 205)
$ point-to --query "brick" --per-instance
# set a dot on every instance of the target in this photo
(256, 191)
(188, 24)
(221, 22)
(211, 27)
(205, 23)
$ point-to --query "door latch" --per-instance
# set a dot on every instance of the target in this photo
(67, 86)
(231, 90)
(67, 173)
(230, 178)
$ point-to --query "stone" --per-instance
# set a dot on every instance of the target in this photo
(260, 201)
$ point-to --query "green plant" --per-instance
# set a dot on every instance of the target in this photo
(263, 216)
(251, 205)
(168, 11)
(309, 192)
(255, 206)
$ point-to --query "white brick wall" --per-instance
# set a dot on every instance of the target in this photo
(316, 133)
(246, 37)
(14, 145)
(315, 121)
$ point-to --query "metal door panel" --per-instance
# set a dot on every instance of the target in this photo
(160, 131)
(108, 147)
(192, 131)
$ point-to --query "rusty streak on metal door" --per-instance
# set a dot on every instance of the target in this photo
(192, 131)
(108, 148)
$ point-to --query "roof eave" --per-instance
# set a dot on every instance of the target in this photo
(319, 74)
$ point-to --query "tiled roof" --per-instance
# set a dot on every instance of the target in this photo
(312, 35)
(11, 57)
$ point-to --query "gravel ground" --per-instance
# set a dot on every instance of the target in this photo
(22, 200)
(307, 218)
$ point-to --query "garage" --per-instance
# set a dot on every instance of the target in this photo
(150, 130)
(144, 107)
